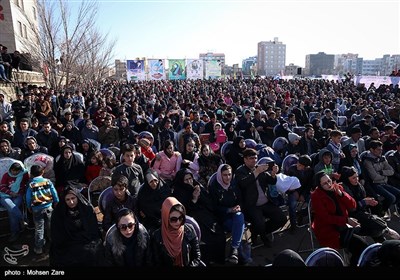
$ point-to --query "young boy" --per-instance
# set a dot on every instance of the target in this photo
(12, 189)
(130, 169)
(336, 148)
(40, 197)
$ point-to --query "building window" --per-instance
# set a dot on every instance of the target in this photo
(16, 2)
(20, 29)
(25, 32)
(22, 5)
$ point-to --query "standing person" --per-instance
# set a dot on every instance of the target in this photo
(12, 189)
(331, 206)
(75, 235)
(130, 169)
(128, 243)
(40, 198)
(175, 243)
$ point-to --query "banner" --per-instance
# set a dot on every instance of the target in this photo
(176, 69)
(135, 70)
(377, 80)
(156, 69)
(194, 68)
(213, 69)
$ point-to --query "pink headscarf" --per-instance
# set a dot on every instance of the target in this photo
(172, 238)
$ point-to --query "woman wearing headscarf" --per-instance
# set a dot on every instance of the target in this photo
(235, 155)
(351, 159)
(331, 206)
(198, 204)
(230, 131)
(226, 198)
(69, 169)
(128, 242)
(371, 225)
(75, 235)
(151, 195)
(208, 163)
(175, 243)
(32, 147)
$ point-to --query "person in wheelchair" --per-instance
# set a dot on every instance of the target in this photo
(254, 182)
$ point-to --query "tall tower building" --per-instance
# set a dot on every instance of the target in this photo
(271, 57)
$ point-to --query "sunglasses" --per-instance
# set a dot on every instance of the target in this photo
(175, 219)
(125, 226)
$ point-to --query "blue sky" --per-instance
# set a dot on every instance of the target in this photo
(183, 29)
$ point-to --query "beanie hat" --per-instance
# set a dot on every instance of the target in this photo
(293, 137)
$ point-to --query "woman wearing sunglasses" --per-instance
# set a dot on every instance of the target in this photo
(175, 243)
(127, 243)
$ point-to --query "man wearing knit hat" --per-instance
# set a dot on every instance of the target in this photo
(293, 147)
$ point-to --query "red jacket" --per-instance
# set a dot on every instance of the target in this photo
(325, 221)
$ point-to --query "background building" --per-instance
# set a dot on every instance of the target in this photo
(247, 65)
(271, 58)
(293, 70)
(319, 64)
(15, 24)
(120, 69)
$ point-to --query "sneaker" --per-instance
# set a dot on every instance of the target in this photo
(386, 217)
(14, 237)
(233, 256)
(38, 251)
(392, 234)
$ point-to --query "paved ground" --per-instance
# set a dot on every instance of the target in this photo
(298, 241)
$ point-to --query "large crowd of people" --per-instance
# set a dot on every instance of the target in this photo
(195, 161)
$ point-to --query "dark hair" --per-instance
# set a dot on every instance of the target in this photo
(119, 179)
(375, 144)
(16, 166)
(226, 167)
(248, 152)
(317, 178)
(124, 212)
(37, 170)
(347, 172)
(181, 209)
(127, 148)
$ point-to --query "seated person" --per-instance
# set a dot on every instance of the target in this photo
(75, 236)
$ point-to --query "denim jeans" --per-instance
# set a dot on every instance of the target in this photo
(42, 219)
(292, 205)
(390, 193)
(13, 204)
(234, 223)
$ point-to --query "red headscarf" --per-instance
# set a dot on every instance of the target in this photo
(172, 238)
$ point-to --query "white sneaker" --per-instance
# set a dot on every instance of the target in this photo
(392, 234)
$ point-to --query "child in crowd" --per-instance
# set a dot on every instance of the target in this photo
(40, 197)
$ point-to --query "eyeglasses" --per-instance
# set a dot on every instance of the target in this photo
(175, 219)
(125, 226)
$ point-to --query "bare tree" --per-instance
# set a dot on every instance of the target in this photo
(67, 42)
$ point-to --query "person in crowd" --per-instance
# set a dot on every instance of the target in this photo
(41, 197)
(47, 137)
(308, 143)
(189, 158)
(198, 204)
(208, 164)
(151, 195)
(130, 169)
(394, 160)
(371, 225)
(175, 244)
(128, 243)
(69, 169)
(93, 168)
(293, 147)
(325, 164)
(12, 189)
(351, 159)
(234, 156)
(75, 236)
(336, 149)
(141, 159)
(165, 163)
(32, 147)
(7, 151)
(22, 133)
(256, 184)
(121, 198)
(227, 200)
(331, 206)
(230, 131)
(377, 171)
